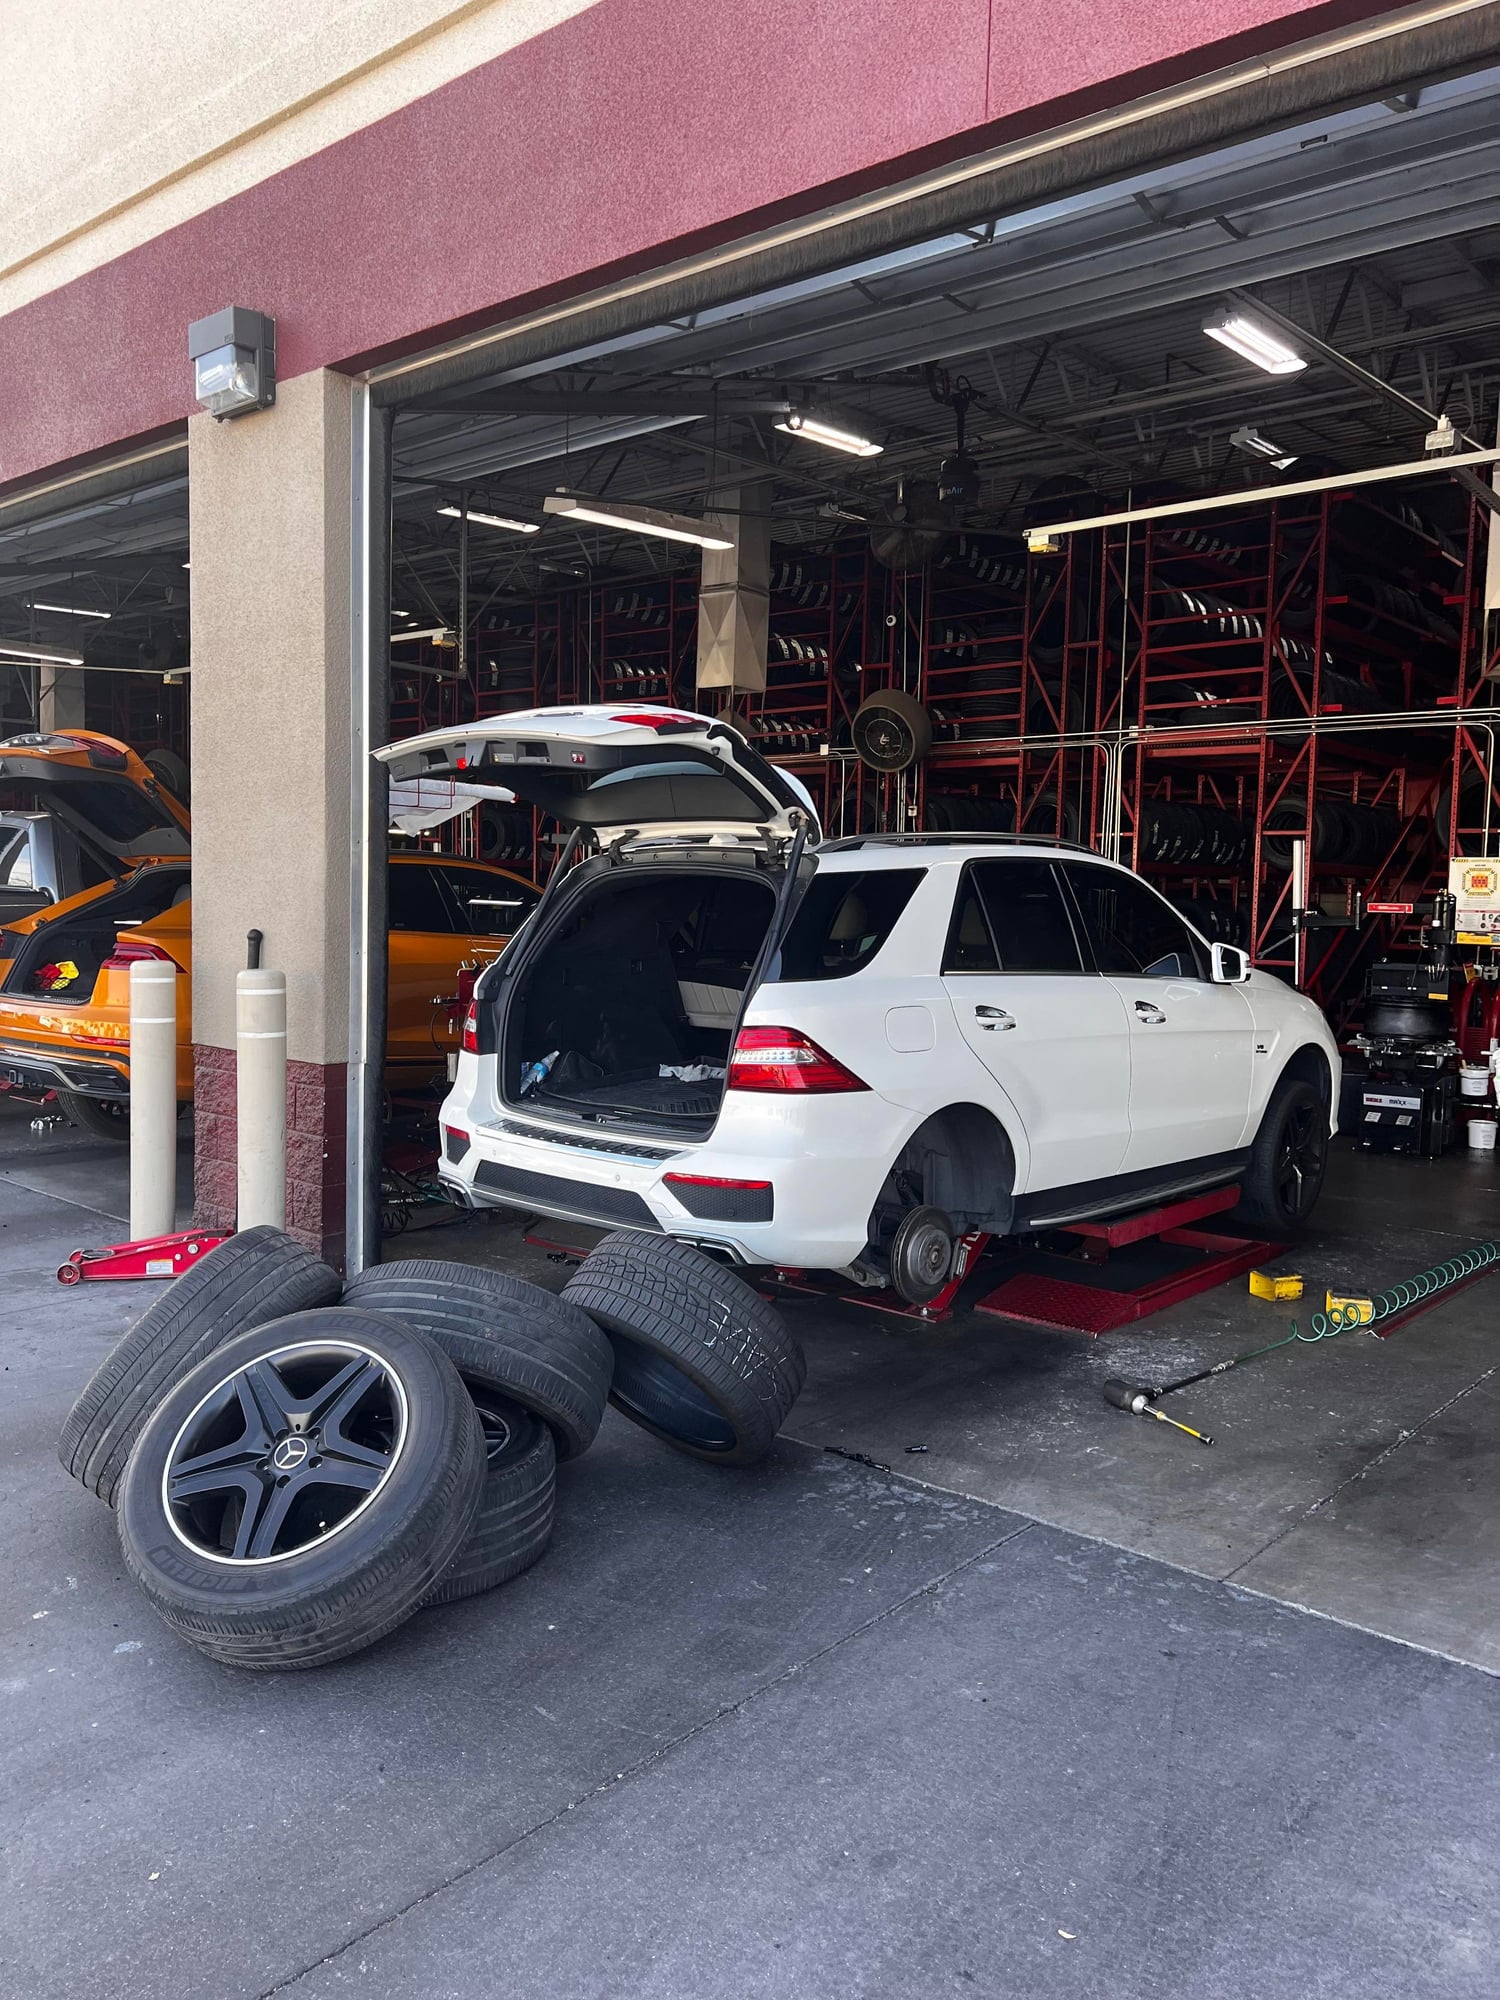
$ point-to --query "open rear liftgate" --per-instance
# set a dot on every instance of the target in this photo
(1112, 1273)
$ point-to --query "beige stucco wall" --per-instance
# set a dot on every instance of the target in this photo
(270, 515)
(123, 119)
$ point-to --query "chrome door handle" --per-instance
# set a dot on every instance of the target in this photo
(1153, 1017)
(995, 1018)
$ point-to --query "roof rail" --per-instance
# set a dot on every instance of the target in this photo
(846, 842)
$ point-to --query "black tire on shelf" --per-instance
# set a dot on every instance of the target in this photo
(701, 1361)
(505, 1335)
(258, 1276)
(1279, 1188)
(338, 1413)
(891, 730)
(516, 1509)
(101, 1117)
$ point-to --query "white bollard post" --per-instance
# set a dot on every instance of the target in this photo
(153, 1099)
(260, 1095)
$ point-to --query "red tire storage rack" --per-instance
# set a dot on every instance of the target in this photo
(1192, 695)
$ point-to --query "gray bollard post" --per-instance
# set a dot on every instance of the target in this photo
(260, 1064)
(153, 1099)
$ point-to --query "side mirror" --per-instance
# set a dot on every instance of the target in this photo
(1231, 966)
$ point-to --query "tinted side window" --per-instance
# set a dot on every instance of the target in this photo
(417, 902)
(970, 946)
(843, 920)
(1028, 915)
(1131, 929)
(487, 905)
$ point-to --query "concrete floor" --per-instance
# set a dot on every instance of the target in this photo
(813, 1729)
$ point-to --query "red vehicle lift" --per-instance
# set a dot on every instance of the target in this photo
(1045, 1295)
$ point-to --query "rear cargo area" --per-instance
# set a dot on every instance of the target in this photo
(629, 1008)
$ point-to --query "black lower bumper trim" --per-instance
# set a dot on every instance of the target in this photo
(580, 1200)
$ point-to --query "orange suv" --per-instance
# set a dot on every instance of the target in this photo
(65, 969)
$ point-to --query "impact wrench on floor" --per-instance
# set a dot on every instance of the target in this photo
(1137, 1398)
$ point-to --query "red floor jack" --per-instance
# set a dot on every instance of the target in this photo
(152, 1257)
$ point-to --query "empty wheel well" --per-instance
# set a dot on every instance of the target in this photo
(960, 1161)
(1310, 1065)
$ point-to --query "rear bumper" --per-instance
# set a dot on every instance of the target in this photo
(820, 1196)
(24, 1067)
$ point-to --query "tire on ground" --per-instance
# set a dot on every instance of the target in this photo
(502, 1334)
(701, 1360)
(516, 1510)
(303, 1603)
(101, 1117)
(258, 1276)
(1279, 1187)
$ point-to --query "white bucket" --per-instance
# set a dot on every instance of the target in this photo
(1482, 1135)
(1474, 1080)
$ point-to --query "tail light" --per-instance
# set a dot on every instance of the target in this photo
(781, 1059)
(134, 951)
(469, 1040)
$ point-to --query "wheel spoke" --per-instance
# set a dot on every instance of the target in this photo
(275, 1404)
(337, 1397)
(257, 1535)
(183, 1486)
(360, 1474)
(348, 1452)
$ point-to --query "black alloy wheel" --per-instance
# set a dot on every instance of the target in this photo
(1301, 1156)
(302, 1491)
(283, 1453)
(1284, 1174)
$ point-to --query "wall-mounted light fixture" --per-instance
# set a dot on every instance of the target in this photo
(233, 353)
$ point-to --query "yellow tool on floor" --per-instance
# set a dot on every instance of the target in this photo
(1353, 1308)
(1268, 1285)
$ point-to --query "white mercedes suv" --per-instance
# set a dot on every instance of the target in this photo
(844, 1054)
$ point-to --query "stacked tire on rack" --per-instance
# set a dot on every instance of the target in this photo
(298, 1466)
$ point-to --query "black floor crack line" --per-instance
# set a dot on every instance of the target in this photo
(1379, 1459)
(651, 1758)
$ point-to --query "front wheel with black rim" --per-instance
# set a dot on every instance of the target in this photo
(1280, 1186)
(701, 1361)
(303, 1490)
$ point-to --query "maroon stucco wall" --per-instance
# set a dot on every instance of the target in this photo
(637, 128)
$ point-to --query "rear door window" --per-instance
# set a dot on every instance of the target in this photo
(1131, 929)
(1028, 915)
(486, 905)
(417, 902)
(843, 920)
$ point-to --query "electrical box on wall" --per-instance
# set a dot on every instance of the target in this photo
(1475, 888)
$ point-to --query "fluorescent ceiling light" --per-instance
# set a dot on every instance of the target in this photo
(1252, 340)
(635, 520)
(187, 565)
(51, 656)
(68, 610)
(441, 634)
(494, 521)
(819, 427)
(1251, 440)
